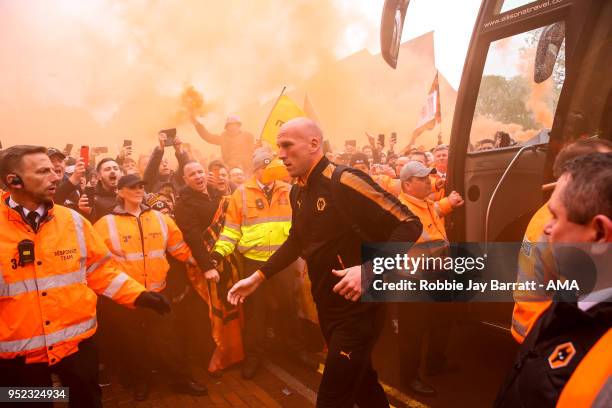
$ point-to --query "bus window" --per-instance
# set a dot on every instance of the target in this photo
(512, 4)
(511, 108)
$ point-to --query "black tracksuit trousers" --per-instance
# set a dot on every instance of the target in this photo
(349, 377)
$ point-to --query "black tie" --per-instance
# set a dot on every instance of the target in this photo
(268, 192)
(31, 217)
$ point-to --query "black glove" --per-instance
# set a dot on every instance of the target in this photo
(153, 300)
(216, 258)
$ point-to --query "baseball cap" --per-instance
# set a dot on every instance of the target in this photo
(52, 151)
(129, 180)
(232, 119)
(359, 158)
(415, 169)
(262, 157)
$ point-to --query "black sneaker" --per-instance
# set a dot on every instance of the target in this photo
(192, 388)
(141, 391)
(420, 387)
(249, 367)
(215, 374)
(104, 377)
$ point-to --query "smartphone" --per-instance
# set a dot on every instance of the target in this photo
(100, 150)
(381, 139)
(85, 155)
(393, 137)
(68, 149)
(170, 135)
(90, 192)
(127, 143)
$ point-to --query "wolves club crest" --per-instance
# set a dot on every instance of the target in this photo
(562, 355)
(321, 204)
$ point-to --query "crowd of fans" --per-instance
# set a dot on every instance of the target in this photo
(192, 194)
(193, 198)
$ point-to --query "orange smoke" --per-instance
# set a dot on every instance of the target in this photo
(485, 128)
(537, 102)
(190, 103)
(539, 98)
(361, 93)
(82, 72)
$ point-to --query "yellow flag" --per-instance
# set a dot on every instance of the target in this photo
(284, 110)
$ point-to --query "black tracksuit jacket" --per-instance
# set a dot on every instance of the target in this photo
(321, 236)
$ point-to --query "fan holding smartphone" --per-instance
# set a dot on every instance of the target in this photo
(158, 171)
(167, 137)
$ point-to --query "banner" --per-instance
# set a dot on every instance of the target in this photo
(430, 112)
(283, 110)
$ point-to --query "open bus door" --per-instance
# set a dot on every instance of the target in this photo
(549, 60)
(535, 77)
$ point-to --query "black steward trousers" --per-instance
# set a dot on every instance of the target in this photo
(147, 338)
(78, 372)
(280, 287)
(421, 324)
(349, 377)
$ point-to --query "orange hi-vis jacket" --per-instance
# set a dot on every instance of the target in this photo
(590, 384)
(252, 225)
(139, 244)
(48, 306)
(431, 216)
(535, 263)
(439, 196)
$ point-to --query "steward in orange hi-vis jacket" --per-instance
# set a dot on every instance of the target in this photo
(49, 305)
(52, 265)
(140, 244)
(139, 238)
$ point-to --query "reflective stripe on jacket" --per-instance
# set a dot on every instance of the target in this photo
(253, 226)
(535, 263)
(49, 305)
(139, 244)
(391, 185)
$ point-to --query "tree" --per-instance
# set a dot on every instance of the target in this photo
(504, 100)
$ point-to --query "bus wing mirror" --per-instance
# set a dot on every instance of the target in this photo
(547, 52)
(391, 26)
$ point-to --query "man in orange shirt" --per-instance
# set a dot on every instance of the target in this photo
(236, 144)
(417, 318)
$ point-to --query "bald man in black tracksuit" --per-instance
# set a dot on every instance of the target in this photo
(328, 241)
